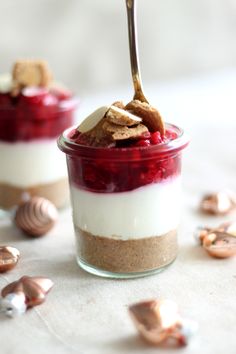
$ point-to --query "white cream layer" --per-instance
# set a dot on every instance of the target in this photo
(152, 210)
(26, 164)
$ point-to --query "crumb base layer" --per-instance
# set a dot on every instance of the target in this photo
(57, 192)
(123, 259)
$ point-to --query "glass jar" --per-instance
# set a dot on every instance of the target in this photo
(30, 161)
(126, 204)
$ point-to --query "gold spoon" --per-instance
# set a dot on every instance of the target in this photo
(151, 117)
(131, 16)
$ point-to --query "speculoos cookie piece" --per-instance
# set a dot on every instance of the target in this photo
(150, 115)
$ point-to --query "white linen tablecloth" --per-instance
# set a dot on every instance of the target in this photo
(85, 314)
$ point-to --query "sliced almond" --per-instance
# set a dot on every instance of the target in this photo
(119, 116)
(97, 136)
(93, 119)
(150, 115)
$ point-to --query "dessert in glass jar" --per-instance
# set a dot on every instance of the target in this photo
(124, 169)
(33, 113)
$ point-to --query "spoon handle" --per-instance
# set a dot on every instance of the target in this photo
(133, 48)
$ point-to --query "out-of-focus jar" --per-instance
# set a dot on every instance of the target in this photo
(30, 123)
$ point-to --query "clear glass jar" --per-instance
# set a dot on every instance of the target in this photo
(126, 204)
(30, 161)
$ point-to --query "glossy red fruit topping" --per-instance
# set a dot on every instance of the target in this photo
(36, 113)
(142, 143)
(156, 138)
(104, 176)
(108, 176)
(144, 140)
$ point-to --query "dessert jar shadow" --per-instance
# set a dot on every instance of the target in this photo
(30, 161)
(126, 204)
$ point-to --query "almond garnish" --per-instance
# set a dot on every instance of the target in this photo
(109, 124)
(121, 117)
(93, 119)
(150, 115)
(97, 136)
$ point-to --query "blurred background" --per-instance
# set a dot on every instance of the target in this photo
(85, 41)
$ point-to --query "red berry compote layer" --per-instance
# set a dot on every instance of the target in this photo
(30, 122)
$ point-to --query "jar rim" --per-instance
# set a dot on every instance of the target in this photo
(171, 147)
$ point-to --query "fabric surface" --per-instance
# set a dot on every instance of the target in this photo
(85, 314)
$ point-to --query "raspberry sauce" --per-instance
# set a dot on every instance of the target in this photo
(35, 113)
(150, 159)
